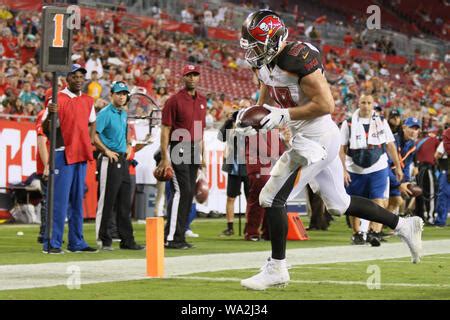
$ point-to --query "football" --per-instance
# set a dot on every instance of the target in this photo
(168, 174)
(253, 116)
(201, 190)
(415, 189)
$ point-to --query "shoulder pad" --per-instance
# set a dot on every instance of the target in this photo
(300, 58)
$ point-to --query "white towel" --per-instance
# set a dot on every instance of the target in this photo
(377, 135)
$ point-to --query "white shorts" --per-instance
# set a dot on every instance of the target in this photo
(293, 171)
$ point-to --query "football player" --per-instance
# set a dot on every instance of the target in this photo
(291, 76)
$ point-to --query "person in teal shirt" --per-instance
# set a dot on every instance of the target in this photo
(114, 177)
(28, 96)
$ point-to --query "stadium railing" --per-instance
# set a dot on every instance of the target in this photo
(18, 118)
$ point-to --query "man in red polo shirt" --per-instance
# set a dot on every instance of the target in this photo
(183, 123)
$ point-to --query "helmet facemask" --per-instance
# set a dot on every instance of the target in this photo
(259, 54)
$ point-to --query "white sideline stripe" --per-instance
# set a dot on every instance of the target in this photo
(101, 200)
(55, 274)
(404, 261)
(175, 208)
(316, 268)
(348, 283)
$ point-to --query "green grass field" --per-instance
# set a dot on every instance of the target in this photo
(398, 277)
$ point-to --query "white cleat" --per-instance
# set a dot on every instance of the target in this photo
(273, 274)
(411, 233)
(189, 233)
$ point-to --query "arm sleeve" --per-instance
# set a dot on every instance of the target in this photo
(169, 112)
(102, 121)
(92, 116)
(345, 134)
(301, 58)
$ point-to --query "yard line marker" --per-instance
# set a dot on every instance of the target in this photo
(350, 283)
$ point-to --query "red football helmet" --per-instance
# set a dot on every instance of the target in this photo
(262, 34)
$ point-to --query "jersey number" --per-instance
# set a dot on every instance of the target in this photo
(58, 40)
(282, 95)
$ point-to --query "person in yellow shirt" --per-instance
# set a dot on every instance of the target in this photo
(5, 14)
(94, 88)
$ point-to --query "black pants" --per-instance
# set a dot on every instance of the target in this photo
(234, 185)
(179, 205)
(425, 204)
(320, 217)
(114, 191)
(113, 224)
(43, 206)
(185, 158)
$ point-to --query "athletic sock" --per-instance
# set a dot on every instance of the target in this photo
(401, 222)
(230, 225)
(369, 210)
(278, 227)
(281, 263)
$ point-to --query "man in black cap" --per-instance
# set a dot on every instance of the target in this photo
(395, 121)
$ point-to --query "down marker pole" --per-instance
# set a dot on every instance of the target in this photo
(154, 235)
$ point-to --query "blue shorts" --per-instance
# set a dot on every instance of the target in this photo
(370, 185)
(394, 190)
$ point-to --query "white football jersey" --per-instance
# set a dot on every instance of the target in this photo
(282, 77)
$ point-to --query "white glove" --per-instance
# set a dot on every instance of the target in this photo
(246, 131)
(239, 116)
(277, 117)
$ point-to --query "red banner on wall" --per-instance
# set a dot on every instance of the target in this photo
(223, 34)
(34, 5)
(18, 150)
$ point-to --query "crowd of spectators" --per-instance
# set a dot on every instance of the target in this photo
(111, 53)
(423, 93)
